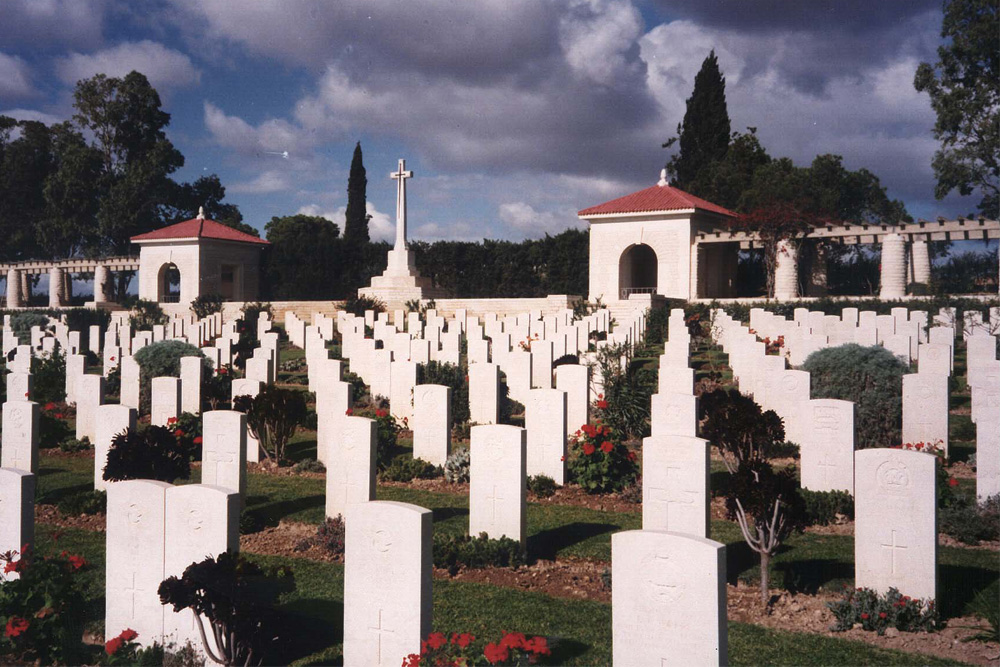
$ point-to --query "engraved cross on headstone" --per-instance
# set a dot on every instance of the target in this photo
(892, 547)
(494, 498)
(400, 177)
(379, 631)
(217, 457)
(825, 464)
(132, 590)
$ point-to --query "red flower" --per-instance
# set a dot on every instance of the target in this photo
(495, 653)
(602, 405)
(112, 358)
(606, 447)
(462, 640)
(58, 415)
(128, 634)
(952, 481)
(171, 420)
(412, 660)
(631, 456)
(198, 440)
(49, 407)
(538, 645)
(864, 616)
(350, 411)
(381, 413)
(882, 614)
(76, 562)
(600, 396)
(179, 433)
(112, 645)
(16, 626)
(562, 458)
(436, 640)
(588, 448)
(223, 371)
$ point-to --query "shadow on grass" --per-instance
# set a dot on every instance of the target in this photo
(55, 495)
(270, 514)
(445, 513)
(300, 450)
(564, 650)
(808, 576)
(958, 585)
(308, 627)
(545, 544)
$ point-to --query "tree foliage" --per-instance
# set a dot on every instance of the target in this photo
(704, 133)
(356, 216)
(965, 96)
(149, 453)
(742, 432)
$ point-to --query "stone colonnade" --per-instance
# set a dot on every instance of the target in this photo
(60, 279)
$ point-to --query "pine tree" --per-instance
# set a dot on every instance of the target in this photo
(356, 224)
(704, 134)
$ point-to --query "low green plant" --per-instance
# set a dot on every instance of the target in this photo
(309, 465)
(454, 551)
(237, 598)
(217, 387)
(598, 462)
(330, 535)
(86, 502)
(147, 453)
(273, 417)
(457, 466)
(877, 613)
(52, 426)
(146, 314)
(740, 430)
(405, 468)
(357, 305)
(206, 304)
(449, 375)
(986, 606)
(627, 391)
(42, 610)
(542, 486)
(970, 522)
(187, 432)
(72, 445)
(250, 522)
(823, 507)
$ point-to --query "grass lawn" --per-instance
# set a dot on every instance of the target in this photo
(579, 630)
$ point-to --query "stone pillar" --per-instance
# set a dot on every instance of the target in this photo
(920, 260)
(786, 271)
(13, 288)
(57, 287)
(893, 267)
(102, 281)
(817, 272)
(25, 287)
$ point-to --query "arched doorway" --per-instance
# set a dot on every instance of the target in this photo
(637, 271)
(169, 284)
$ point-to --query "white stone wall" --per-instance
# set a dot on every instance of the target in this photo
(184, 254)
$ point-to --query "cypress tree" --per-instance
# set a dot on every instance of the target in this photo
(704, 134)
(356, 224)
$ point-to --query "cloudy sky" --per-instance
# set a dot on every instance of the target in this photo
(514, 114)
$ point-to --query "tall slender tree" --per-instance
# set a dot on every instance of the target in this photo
(356, 223)
(704, 133)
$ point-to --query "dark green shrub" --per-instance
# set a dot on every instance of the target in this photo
(113, 382)
(627, 392)
(149, 453)
(21, 324)
(542, 486)
(387, 432)
(87, 502)
(969, 522)
(357, 305)
(405, 468)
(309, 465)
(163, 359)
(71, 445)
(449, 375)
(206, 304)
(873, 611)
(237, 598)
(457, 466)
(739, 429)
(871, 377)
(49, 377)
(216, 388)
(359, 390)
(250, 522)
(52, 427)
(656, 327)
(455, 551)
(273, 416)
(822, 507)
(145, 315)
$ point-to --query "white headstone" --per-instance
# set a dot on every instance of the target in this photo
(90, 396)
(19, 386)
(934, 358)
(432, 423)
(668, 602)
(387, 583)
(130, 387)
(674, 414)
(403, 378)
(895, 525)
(350, 476)
(110, 420)
(20, 436)
(498, 482)
(17, 513)
(224, 450)
(333, 400)
(191, 372)
(828, 452)
(166, 400)
(675, 484)
(988, 456)
(925, 409)
(545, 421)
(244, 387)
(484, 393)
(574, 379)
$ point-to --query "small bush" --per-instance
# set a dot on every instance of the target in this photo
(187, 432)
(150, 453)
(273, 416)
(357, 305)
(145, 315)
(456, 468)
(250, 522)
(387, 431)
(449, 375)
(875, 612)
(740, 430)
(822, 507)
(163, 359)
(330, 535)
(206, 304)
(627, 392)
(72, 445)
(598, 462)
(633, 492)
(52, 427)
(49, 378)
(969, 522)
(405, 468)
(542, 486)
(309, 465)
(455, 551)
(88, 502)
(871, 377)
(21, 324)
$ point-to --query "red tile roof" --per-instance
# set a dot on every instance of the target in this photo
(656, 198)
(197, 228)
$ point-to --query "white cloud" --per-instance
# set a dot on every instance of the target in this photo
(165, 68)
(266, 183)
(598, 38)
(15, 77)
(68, 23)
(380, 227)
(32, 114)
(523, 217)
(271, 136)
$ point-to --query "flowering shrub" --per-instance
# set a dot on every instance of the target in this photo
(330, 536)
(514, 648)
(936, 448)
(152, 452)
(121, 650)
(216, 388)
(598, 462)
(187, 431)
(52, 426)
(876, 612)
(41, 611)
